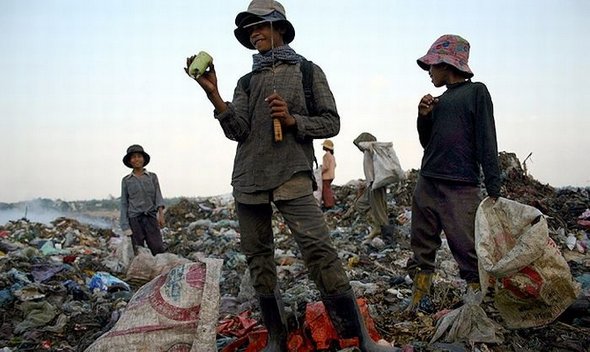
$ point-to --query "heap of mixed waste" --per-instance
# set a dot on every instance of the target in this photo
(63, 283)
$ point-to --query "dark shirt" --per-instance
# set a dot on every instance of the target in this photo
(260, 163)
(139, 195)
(459, 136)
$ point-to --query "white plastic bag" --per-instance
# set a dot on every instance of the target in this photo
(122, 255)
(317, 173)
(386, 165)
(125, 252)
(468, 323)
(146, 266)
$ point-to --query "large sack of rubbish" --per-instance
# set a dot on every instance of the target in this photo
(532, 282)
(386, 165)
(176, 311)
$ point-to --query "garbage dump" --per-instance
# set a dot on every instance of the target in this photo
(67, 285)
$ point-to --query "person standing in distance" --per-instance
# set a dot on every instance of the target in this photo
(142, 205)
(328, 174)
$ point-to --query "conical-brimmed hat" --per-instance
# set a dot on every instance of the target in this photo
(328, 144)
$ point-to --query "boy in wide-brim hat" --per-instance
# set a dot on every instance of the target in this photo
(458, 133)
(281, 172)
(142, 205)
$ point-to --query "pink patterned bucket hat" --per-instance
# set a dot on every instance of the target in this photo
(450, 49)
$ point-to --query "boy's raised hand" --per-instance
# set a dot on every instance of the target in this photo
(208, 80)
(426, 105)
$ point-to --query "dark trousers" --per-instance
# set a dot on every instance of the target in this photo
(446, 206)
(146, 229)
(306, 222)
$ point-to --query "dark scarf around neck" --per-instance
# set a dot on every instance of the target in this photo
(282, 53)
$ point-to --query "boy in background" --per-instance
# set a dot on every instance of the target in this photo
(142, 205)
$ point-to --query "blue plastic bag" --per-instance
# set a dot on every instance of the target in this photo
(106, 282)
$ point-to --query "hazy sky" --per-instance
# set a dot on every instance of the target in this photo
(82, 80)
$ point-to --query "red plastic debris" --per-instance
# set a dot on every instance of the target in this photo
(238, 325)
(317, 333)
(68, 259)
(46, 344)
(324, 335)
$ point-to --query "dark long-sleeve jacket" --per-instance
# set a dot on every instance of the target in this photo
(260, 163)
(459, 135)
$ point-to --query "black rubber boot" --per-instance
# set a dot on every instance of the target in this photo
(273, 317)
(348, 321)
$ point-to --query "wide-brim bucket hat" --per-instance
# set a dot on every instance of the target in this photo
(260, 11)
(328, 144)
(449, 49)
(135, 148)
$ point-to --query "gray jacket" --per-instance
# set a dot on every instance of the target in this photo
(139, 195)
(261, 164)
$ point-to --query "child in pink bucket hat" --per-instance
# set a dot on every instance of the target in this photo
(458, 134)
(449, 49)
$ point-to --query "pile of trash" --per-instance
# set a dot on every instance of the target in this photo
(65, 284)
